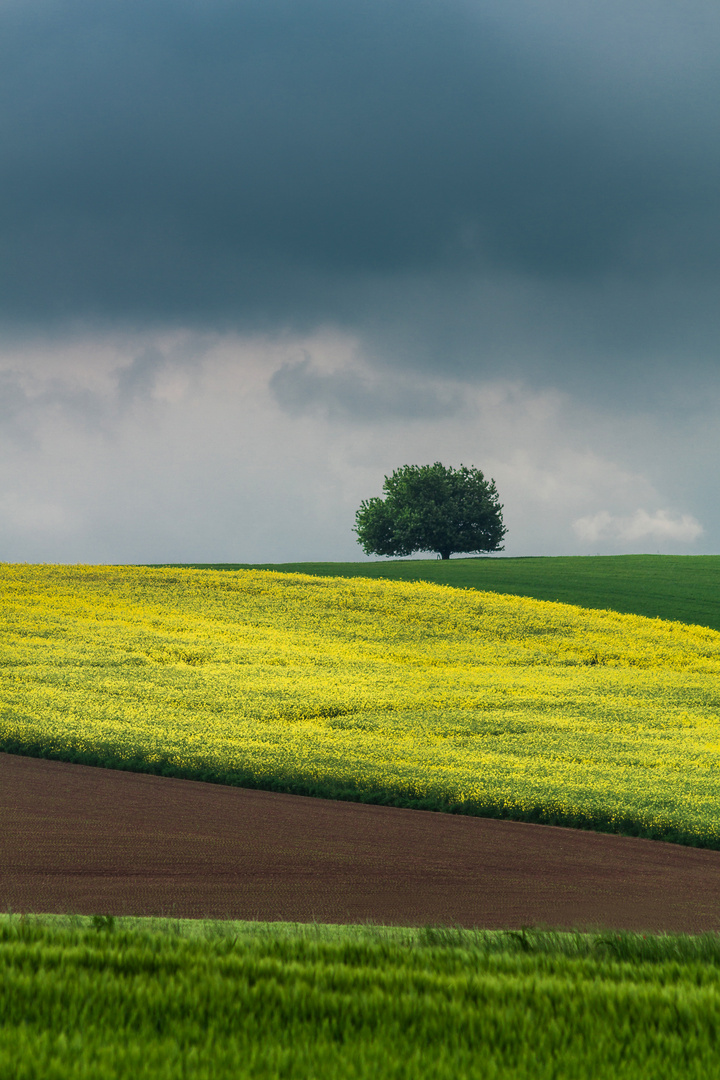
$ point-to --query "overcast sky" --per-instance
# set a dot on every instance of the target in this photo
(256, 254)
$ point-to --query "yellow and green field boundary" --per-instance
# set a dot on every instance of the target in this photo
(405, 693)
(682, 588)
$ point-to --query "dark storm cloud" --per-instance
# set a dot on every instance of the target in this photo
(274, 163)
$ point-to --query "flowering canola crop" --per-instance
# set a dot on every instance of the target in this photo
(395, 690)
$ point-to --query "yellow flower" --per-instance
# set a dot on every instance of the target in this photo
(412, 689)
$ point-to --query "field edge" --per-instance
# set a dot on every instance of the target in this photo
(298, 785)
(619, 944)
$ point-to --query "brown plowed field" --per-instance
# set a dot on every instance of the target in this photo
(79, 839)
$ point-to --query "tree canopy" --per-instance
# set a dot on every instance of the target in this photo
(432, 508)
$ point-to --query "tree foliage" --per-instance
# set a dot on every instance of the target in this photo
(432, 508)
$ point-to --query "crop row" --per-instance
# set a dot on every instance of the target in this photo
(133, 1002)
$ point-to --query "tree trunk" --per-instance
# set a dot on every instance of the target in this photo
(444, 554)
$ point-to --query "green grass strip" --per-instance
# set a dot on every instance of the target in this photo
(115, 999)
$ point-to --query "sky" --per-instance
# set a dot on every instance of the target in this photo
(257, 254)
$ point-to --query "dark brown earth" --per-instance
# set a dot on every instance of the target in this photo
(79, 839)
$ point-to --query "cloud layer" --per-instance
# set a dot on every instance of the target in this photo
(641, 527)
(178, 446)
(256, 255)
(484, 175)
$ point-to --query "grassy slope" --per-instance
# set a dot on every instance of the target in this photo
(681, 587)
(153, 1000)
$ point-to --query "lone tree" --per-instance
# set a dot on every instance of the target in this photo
(432, 508)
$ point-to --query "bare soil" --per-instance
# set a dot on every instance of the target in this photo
(86, 840)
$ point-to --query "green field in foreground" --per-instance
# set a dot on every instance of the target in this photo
(682, 587)
(151, 999)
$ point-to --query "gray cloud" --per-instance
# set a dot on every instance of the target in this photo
(299, 388)
(138, 378)
(13, 398)
(168, 458)
(25, 403)
(506, 206)
(283, 163)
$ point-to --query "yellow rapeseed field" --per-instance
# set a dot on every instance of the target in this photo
(409, 691)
